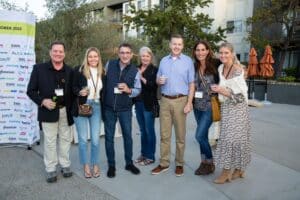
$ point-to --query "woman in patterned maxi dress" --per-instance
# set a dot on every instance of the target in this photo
(233, 148)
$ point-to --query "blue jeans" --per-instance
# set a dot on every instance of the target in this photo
(146, 123)
(82, 124)
(204, 120)
(109, 127)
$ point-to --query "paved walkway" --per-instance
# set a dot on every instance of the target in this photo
(274, 172)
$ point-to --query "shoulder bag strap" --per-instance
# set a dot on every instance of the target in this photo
(204, 83)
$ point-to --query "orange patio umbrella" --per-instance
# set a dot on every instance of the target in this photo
(266, 69)
(253, 63)
(252, 72)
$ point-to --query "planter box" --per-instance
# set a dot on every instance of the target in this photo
(277, 92)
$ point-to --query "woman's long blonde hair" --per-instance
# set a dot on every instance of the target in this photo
(231, 48)
(85, 66)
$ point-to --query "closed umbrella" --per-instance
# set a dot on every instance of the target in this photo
(252, 70)
(266, 69)
(253, 63)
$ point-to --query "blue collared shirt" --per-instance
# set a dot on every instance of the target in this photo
(180, 73)
(136, 90)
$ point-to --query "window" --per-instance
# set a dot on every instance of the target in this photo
(230, 26)
(246, 58)
(234, 26)
(126, 8)
(117, 15)
(141, 4)
(162, 4)
(126, 35)
(140, 32)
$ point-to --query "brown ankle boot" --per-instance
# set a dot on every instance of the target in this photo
(225, 176)
(210, 168)
(201, 168)
(237, 173)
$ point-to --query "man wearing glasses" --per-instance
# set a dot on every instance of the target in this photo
(122, 83)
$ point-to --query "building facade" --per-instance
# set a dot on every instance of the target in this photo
(232, 14)
(226, 13)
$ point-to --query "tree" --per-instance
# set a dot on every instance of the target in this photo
(65, 25)
(7, 5)
(175, 16)
(274, 23)
(55, 6)
(72, 24)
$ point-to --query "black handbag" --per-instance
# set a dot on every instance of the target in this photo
(155, 110)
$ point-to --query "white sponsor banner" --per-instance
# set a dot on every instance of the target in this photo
(18, 114)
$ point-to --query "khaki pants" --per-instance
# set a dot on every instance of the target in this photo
(171, 112)
(51, 130)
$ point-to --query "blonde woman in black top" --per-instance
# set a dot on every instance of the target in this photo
(87, 84)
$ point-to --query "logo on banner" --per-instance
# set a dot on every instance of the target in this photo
(15, 46)
(7, 116)
(6, 72)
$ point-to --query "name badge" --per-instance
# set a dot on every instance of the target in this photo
(117, 91)
(199, 94)
(59, 92)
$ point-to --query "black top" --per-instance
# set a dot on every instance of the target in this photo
(42, 85)
(80, 81)
(149, 90)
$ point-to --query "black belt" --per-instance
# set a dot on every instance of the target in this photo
(174, 97)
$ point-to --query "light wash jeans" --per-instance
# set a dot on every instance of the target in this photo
(81, 124)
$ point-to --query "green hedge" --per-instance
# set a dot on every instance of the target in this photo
(290, 71)
(287, 79)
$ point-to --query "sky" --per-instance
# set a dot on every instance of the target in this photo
(36, 6)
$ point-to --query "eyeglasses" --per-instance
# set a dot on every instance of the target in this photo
(124, 52)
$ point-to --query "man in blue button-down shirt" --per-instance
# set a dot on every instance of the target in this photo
(176, 78)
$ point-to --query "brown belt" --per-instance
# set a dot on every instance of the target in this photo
(174, 97)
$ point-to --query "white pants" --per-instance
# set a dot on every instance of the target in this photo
(51, 131)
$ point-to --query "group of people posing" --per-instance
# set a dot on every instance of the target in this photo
(113, 89)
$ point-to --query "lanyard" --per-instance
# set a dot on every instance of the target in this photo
(227, 72)
(95, 85)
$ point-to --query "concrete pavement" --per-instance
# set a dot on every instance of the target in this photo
(274, 172)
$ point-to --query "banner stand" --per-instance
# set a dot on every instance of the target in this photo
(18, 114)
